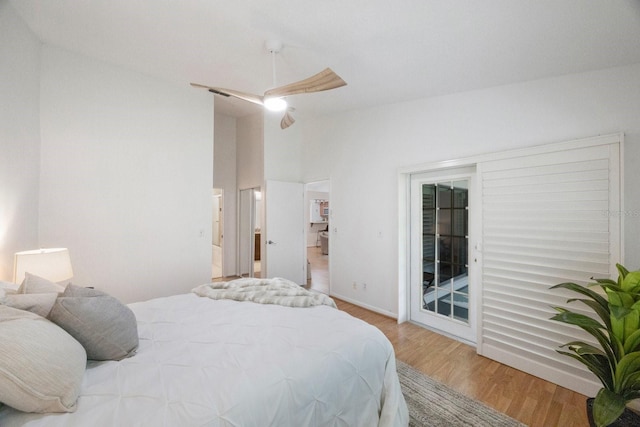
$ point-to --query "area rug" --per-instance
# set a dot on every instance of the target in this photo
(433, 404)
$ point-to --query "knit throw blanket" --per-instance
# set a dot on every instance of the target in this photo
(264, 291)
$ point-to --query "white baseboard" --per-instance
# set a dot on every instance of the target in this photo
(367, 306)
(588, 387)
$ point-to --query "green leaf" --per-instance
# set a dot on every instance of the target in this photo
(583, 348)
(619, 298)
(617, 347)
(591, 326)
(632, 342)
(624, 321)
(584, 291)
(600, 366)
(622, 271)
(602, 312)
(576, 319)
(631, 281)
(607, 284)
(619, 312)
(617, 321)
(631, 383)
(631, 323)
(607, 407)
(627, 366)
(632, 394)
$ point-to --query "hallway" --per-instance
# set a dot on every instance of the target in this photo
(319, 268)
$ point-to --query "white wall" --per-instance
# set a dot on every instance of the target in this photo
(282, 150)
(362, 150)
(250, 151)
(224, 176)
(19, 138)
(126, 177)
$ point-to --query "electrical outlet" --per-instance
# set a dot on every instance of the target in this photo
(364, 286)
(355, 286)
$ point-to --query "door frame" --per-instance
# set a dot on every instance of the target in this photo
(251, 216)
(219, 193)
(404, 235)
(307, 215)
(454, 329)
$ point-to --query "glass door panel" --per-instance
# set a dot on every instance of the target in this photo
(445, 249)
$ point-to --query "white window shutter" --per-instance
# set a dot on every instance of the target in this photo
(549, 215)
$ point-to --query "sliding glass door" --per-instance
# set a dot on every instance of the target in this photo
(442, 288)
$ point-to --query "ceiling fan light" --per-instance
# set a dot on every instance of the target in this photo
(275, 104)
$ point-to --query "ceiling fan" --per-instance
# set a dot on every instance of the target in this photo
(274, 99)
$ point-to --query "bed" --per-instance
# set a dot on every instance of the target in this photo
(222, 362)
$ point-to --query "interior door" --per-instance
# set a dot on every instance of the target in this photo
(284, 231)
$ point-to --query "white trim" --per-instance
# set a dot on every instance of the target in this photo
(329, 222)
(404, 266)
(478, 246)
(367, 306)
(510, 154)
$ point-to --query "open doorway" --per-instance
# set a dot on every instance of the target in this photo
(250, 232)
(318, 213)
(217, 236)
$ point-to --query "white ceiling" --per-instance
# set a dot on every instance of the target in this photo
(387, 50)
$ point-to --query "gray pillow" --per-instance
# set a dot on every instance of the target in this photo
(41, 366)
(105, 327)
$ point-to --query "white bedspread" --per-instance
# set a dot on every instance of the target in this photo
(204, 362)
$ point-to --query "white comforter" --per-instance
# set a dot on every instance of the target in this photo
(204, 362)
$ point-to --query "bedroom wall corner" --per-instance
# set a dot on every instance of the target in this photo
(20, 52)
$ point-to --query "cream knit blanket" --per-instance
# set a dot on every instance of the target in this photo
(264, 291)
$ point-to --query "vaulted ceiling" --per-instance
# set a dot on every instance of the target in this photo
(388, 51)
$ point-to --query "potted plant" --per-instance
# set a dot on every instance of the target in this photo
(616, 362)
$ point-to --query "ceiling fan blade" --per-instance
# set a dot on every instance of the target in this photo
(287, 120)
(256, 99)
(324, 80)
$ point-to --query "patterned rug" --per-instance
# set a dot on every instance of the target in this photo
(435, 405)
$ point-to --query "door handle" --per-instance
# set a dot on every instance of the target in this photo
(271, 242)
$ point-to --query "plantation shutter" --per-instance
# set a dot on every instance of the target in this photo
(549, 215)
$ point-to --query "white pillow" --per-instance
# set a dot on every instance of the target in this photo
(9, 287)
(40, 304)
(41, 365)
(33, 284)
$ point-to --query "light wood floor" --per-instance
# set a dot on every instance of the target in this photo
(529, 399)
